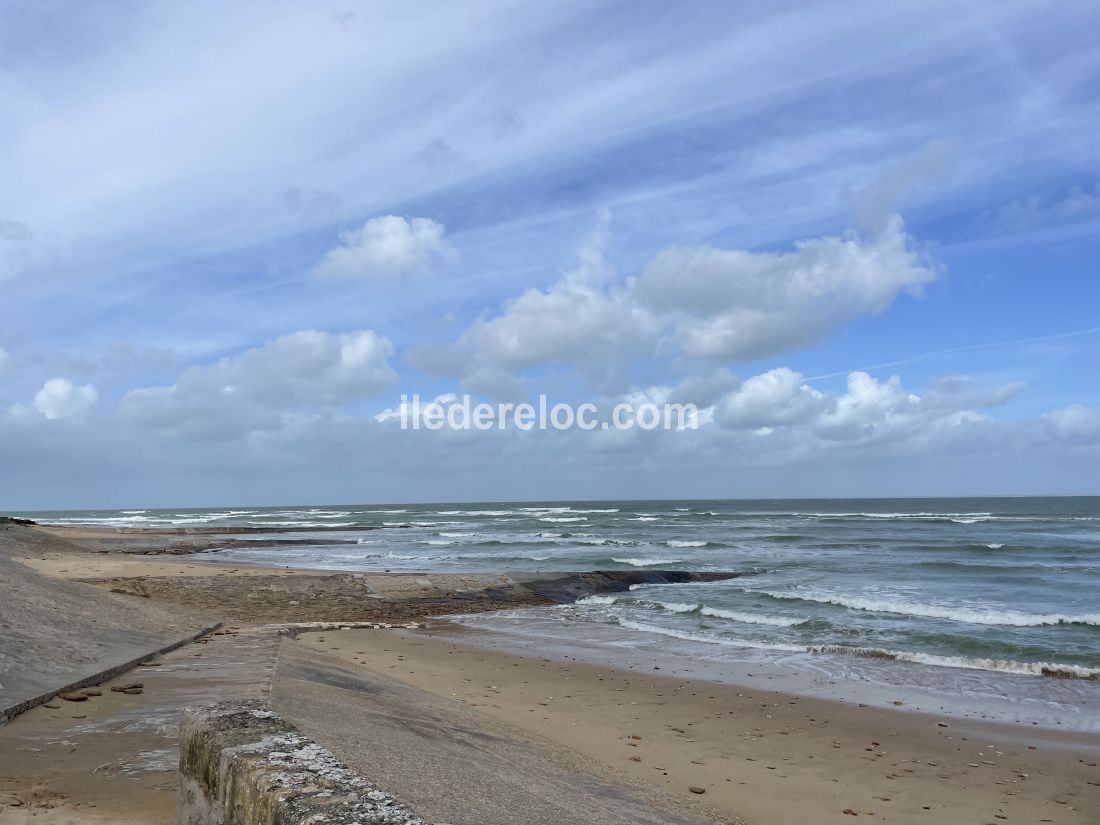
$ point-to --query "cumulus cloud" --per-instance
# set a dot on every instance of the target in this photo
(703, 302)
(585, 319)
(782, 408)
(738, 305)
(1076, 424)
(774, 398)
(387, 247)
(306, 369)
(61, 398)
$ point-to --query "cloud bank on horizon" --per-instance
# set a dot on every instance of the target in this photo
(231, 237)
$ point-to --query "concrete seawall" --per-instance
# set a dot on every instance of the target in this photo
(58, 636)
(240, 764)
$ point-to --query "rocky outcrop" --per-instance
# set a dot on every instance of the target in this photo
(566, 588)
(241, 764)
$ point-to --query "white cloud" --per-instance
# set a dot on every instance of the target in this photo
(735, 304)
(699, 301)
(774, 398)
(794, 420)
(61, 398)
(1076, 424)
(387, 247)
(306, 369)
(5, 362)
(579, 320)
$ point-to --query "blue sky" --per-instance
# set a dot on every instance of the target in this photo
(322, 206)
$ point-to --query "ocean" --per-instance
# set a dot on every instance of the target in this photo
(994, 600)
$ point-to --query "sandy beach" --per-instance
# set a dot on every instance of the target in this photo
(726, 753)
(766, 757)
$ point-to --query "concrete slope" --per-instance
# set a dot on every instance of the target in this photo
(56, 634)
(445, 760)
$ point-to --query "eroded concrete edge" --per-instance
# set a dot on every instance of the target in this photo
(241, 764)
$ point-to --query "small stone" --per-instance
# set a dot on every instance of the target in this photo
(74, 697)
(92, 692)
(697, 789)
(850, 812)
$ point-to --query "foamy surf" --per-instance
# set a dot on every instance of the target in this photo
(984, 616)
(1047, 669)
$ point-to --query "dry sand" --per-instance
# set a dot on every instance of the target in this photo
(771, 758)
(81, 565)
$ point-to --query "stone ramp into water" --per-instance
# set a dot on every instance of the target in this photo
(56, 635)
(446, 761)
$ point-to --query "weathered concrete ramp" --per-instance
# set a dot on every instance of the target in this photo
(57, 635)
(446, 761)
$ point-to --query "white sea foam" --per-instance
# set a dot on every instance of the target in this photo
(646, 562)
(567, 510)
(563, 519)
(645, 518)
(725, 641)
(970, 663)
(751, 618)
(678, 607)
(598, 600)
(968, 615)
(678, 543)
(999, 665)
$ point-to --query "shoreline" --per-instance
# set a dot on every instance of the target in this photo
(761, 751)
(108, 557)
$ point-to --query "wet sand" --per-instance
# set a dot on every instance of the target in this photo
(771, 758)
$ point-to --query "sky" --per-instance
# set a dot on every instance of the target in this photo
(861, 237)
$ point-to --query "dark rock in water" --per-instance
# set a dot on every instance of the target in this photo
(13, 520)
(566, 588)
